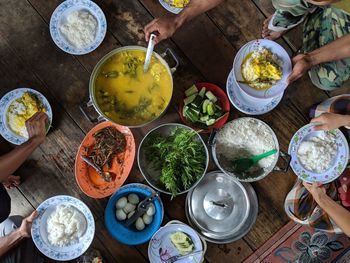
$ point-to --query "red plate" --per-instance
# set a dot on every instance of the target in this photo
(222, 101)
(89, 181)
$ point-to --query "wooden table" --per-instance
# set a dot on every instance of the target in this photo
(206, 48)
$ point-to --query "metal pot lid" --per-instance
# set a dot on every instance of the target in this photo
(244, 229)
(219, 204)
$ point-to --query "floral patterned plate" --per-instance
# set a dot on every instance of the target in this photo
(247, 104)
(60, 15)
(6, 101)
(339, 163)
(169, 7)
(39, 230)
(160, 248)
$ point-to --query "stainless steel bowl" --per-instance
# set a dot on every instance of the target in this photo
(222, 163)
(93, 102)
(152, 176)
(215, 222)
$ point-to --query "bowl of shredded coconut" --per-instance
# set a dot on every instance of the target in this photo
(78, 26)
(318, 156)
(242, 138)
(64, 228)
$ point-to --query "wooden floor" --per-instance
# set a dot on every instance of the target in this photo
(206, 48)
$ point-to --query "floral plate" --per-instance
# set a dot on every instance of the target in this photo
(247, 104)
(160, 247)
(6, 101)
(39, 231)
(60, 15)
(339, 163)
(170, 8)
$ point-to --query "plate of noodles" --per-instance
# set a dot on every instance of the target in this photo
(64, 228)
(261, 69)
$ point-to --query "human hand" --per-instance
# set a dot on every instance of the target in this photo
(330, 121)
(165, 26)
(25, 228)
(12, 181)
(317, 190)
(301, 64)
(36, 127)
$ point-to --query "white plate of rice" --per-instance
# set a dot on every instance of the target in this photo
(78, 27)
(64, 229)
(318, 156)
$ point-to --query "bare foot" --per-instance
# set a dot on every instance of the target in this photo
(269, 34)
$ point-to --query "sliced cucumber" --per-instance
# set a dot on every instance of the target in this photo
(205, 105)
(202, 92)
(210, 122)
(178, 237)
(192, 90)
(204, 118)
(210, 109)
(189, 99)
(197, 101)
(211, 96)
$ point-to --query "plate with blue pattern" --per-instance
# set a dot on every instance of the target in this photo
(339, 162)
(39, 229)
(246, 104)
(59, 16)
(6, 101)
(169, 7)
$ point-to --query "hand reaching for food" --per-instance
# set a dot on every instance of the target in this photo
(12, 181)
(36, 127)
(165, 26)
(330, 121)
(301, 64)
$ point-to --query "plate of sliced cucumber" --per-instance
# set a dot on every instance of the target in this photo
(175, 241)
(205, 106)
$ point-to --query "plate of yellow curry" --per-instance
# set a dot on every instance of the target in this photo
(174, 6)
(123, 93)
(261, 68)
(16, 107)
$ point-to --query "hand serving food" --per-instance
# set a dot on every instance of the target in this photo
(330, 121)
(36, 127)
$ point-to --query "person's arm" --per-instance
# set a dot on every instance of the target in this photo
(167, 26)
(11, 240)
(336, 50)
(10, 162)
(339, 214)
(330, 121)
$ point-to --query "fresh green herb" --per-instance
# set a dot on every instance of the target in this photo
(180, 158)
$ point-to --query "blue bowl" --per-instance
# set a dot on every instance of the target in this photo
(130, 235)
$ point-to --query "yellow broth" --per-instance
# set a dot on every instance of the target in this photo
(126, 94)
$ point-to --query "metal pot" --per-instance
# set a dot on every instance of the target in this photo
(93, 102)
(152, 176)
(258, 175)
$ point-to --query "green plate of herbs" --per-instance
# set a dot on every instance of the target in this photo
(173, 158)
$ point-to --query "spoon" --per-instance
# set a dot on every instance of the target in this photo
(243, 164)
(107, 176)
(149, 52)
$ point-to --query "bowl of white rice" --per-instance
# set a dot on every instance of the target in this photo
(243, 138)
(78, 26)
(318, 156)
(64, 228)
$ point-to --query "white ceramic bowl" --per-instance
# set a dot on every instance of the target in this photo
(284, 62)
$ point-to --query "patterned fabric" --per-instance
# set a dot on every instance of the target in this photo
(322, 25)
(299, 204)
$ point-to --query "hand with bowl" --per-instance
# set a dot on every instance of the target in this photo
(166, 26)
(326, 58)
(15, 232)
(336, 212)
(330, 121)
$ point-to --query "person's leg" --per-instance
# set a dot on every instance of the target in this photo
(321, 28)
(26, 252)
(288, 14)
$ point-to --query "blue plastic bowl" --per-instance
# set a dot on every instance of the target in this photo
(130, 235)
